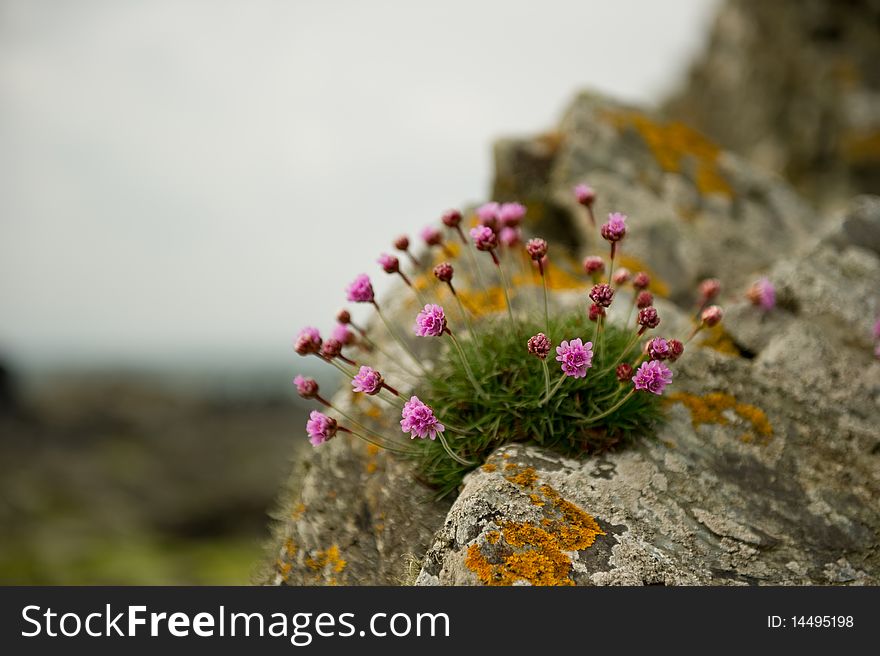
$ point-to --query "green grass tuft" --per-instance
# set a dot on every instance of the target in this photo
(514, 381)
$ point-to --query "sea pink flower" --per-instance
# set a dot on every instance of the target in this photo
(539, 346)
(575, 356)
(443, 272)
(653, 377)
(367, 380)
(320, 427)
(331, 348)
(644, 299)
(431, 321)
(658, 349)
(401, 243)
(451, 218)
(308, 341)
(432, 236)
(488, 215)
(615, 228)
(389, 263)
(510, 236)
(306, 387)
(584, 194)
(621, 276)
(343, 316)
(624, 372)
(342, 334)
(602, 294)
(484, 238)
(595, 312)
(593, 264)
(676, 348)
(763, 294)
(510, 215)
(648, 318)
(418, 420)
(712, 315)
(709, 289)
(641, 280)
(536, 248)
(360, 290)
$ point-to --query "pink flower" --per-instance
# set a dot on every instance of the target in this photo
(320, 427)
(389, 263)
(648, 318)
(641, 280)
(653, 377)
(658, 349)
(762, 294)
(593, 264)
(418, 420)
(342, 334)
(484, 238)
(676, 348)
(575, 356)
(451, 218)
(510, 236)
(432, 236)
(401, 243)
(343, 316)
(306, 387)
(308, 341)
(712, 315)
(511, 214)
(431, 321)
(488, 214)
(644, 299)
(331, 348)
(367, 380)
(595, 312)
(584, 194)
(443, 272)
(615, 228)
(624, 372)
(621, 276)
(709, 289)
(602, 294)
(539, 346)
(536, 248)
(360, 290)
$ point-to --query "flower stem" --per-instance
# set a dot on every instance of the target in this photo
(546, 310)
(452, 454)
(553, 391)
(632, 342)
(463, 310)
(381, 445)
(390, 357)
(467, 366)
(399, 340)
(367, 430)
(611, 263)
(475, 265)
(602, 415)
(505, 287)
(546, 378)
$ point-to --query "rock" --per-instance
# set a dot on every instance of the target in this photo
(694, 210)
(766, 472)
(768, 467)
(793, 87)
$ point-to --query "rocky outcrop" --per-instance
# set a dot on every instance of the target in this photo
(794, 86)
(768, 467)
(766, 472)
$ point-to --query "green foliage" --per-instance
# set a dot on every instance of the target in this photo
(514, 382)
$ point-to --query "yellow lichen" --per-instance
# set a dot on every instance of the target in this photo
(675, 147)
(718, 339)
(290, 547)
(713, 408)
(634, 264)
(297, 511)
(372, 453)
(480, 302)
(489, 467)
(326, 559)
(535, 554)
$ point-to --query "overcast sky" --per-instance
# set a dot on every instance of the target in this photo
(183, 180)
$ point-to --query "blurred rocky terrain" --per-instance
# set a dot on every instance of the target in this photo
(793, 86)
(768, 469)
(128, 478)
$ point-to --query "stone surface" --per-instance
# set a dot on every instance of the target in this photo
(793, 86)
(766, 472)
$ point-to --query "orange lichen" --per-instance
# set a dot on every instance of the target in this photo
(634, 264)
(290, 547)
(714, 408)
(372, 453)
(535, 554)
(718, 339)
(489, 467)
(326, 559)
(297, 511)
(675, 147)
(283, 569)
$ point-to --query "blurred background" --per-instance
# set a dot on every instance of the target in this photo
(185, 184)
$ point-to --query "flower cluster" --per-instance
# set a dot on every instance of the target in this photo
(606, 371)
